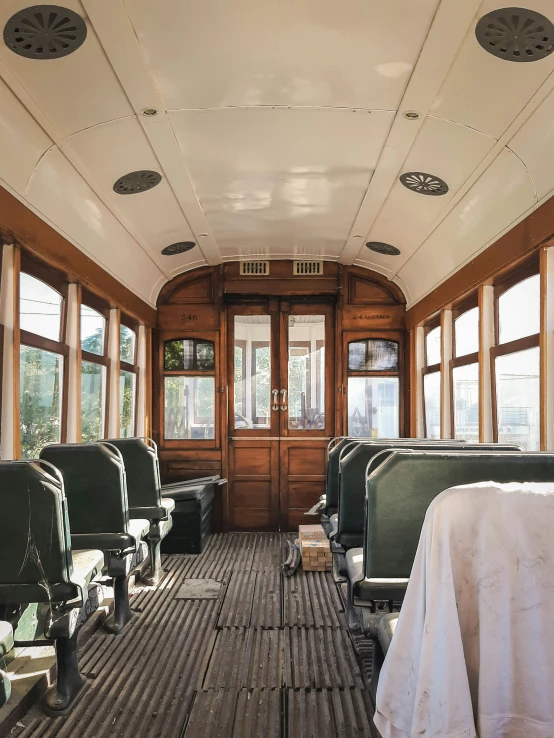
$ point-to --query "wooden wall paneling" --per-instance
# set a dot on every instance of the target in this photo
(253, 485)
(373, 317)
(303, 473)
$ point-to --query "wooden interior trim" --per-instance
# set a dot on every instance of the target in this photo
(513, 347)
(543, 343)
(18, 224)
(521, 241)
(45, 344)
(16, 356)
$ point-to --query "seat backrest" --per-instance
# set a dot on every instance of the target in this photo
(332, 483)
(352, 474)
(142, 470)
(95, 486)
(401, 489)
(35, 546)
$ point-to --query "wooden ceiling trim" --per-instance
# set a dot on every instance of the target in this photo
(516, 245)
(20, 225)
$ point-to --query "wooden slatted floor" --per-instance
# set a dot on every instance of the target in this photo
(270, 657)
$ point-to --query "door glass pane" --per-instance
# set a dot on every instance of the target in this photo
(373, 407)
(189, 407)
(252, 361)
(519, 312)
(306, 390)
(373, 355)
(127, 382)
(517, 392)
(433, 346)
(432, 397)
(466, 332)
(40, 308)
(465, 380)
(93, 392)
(40, 396)
(93, 326)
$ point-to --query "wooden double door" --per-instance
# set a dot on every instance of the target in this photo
(281, 367)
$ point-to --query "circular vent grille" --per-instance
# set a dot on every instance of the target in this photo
(383, 248)
(516, 34)
(178, 248)
(135, 182)
(45, 32)
(425, 184)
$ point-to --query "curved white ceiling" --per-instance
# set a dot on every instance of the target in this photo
(279, 134)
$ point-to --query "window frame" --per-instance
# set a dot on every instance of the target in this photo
(521, 274)
(57, 282)
(461, 308)
(189, 443)
(366, 335)
(431, 369)
(133, 325)
(88, 299)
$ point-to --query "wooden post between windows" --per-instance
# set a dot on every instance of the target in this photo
(114, 412)
(417, 354)
(547, 348)
(73, 340)
(9, 319)
(486, 342)
(446, 415)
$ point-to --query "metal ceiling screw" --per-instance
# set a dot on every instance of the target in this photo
(149, 112)
(412, 115)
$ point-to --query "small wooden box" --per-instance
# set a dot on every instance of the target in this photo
(316, 553)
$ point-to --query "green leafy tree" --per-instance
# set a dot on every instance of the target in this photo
(40, 400)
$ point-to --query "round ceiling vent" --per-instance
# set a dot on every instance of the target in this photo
(178, 248)
(135, 182)
(516, 34)
(425, 184)
(383, 248)
(45, 32)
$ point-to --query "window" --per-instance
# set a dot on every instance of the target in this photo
(516, 363)
(252, 381)
(374, 388)
(306, 372)
(189, 389)
(432, 381)
(94, 374)
(42, 361)
(127, 379)
(464, 369)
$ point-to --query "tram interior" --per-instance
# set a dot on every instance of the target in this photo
(276, 369)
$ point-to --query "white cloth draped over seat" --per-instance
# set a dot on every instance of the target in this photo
(473, 651)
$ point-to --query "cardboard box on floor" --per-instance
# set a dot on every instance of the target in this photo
(314, 546)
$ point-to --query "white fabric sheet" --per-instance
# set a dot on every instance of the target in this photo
(473, 651)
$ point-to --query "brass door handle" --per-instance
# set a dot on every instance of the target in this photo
(275, 394)
(284, 399)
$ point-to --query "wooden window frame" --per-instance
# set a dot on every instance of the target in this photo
(430, 369)
(126, 366)
(88, 299)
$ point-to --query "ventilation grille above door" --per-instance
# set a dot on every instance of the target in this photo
(308, 268)
(254, 268)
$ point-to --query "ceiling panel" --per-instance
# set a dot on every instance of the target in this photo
(280, 180)
(74, 92)
(113, 149)
(534, 144)
(57, 191)
(497, 199)
(444, 149)
(485, 92)
(22, 141)
(292, 52)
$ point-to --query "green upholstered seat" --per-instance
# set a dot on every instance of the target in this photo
(399, 492)
(331, 486)
(352, 474)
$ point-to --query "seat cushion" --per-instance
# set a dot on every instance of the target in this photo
(385, 632)
(355, 564)
(87, 564)
(6, 637)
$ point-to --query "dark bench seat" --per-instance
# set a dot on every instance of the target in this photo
(38, 566)
(96, 489)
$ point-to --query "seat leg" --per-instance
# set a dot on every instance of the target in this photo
(122, 612)
(154, 550)
(58, 700)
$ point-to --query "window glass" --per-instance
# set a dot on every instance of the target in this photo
(465, 380)
(373, 407)
(40, 308)
(252, 381)
(188, 355)
(518, 403)
(189, 407)
(519, 313)
(466, 332)
(373, 355)
(306, 397)
(93, 328)
(40, 397)
(93, 392)
(127, 341)
(433, 346)
(432, 398)
(127, 382)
